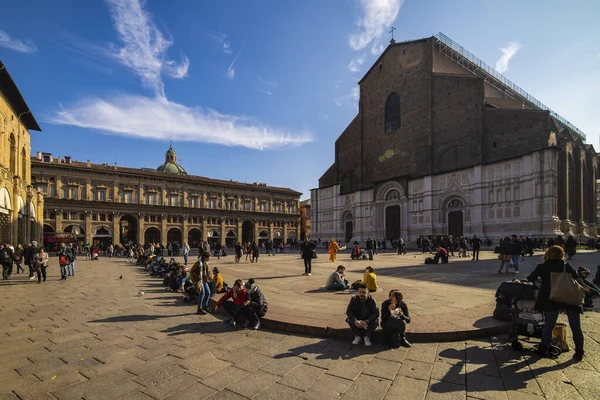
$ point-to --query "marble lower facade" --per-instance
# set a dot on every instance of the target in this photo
(515, 196)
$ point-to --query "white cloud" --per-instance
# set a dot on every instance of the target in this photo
(507, 53)
(355, 93)
(157, 117)
(266, 86)
(178, 71)
(378, 14)
(355, 64)
(161, 119)
(222, 39)
(24, 46)
(351, 99)
(144, 46)
(231, 69)
(377, 49)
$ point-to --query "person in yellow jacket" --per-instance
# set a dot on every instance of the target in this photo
(333, 250)
(369, 280)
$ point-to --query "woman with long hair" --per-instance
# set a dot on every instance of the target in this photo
(394, 317)
(554, 262)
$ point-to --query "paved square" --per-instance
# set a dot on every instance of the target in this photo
(93, 336)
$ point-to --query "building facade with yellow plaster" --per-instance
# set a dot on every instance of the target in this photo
(21, 205)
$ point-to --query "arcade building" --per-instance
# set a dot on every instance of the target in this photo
(103, 204)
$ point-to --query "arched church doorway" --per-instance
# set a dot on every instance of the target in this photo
(128, 229)
(349, 227)
(248, 231)
(392, 222)
(455, 217)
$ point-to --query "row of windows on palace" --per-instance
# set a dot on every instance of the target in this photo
(103, 217)
(155, 199)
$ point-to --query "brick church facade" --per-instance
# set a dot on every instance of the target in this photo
(443, 144)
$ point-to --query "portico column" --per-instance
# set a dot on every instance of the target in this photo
(140, 233)
(271, 230)
(163, 229)
(239, 230)
(116, 228)
(59, 220)
(256, 231)
(223, 232)
(184, 234)
(285, 236)
(88, 227)
(204, 232)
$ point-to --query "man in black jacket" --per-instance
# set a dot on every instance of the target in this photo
(28, 257)
(255, 306)
(307, 255)
(6, 259)
(363, 314)
(476, 243)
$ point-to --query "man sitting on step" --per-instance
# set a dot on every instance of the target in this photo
(363, 314)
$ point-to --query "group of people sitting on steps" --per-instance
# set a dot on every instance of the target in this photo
(243, 302)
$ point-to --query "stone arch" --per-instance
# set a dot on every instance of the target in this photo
(347, 225)
(22, 221)
(248, 231)
(454, 213)
(388, 187)
(230, 237)
(102, 230)
(76, 230)
(5, 214)
(152, 234)
(174, 235)
(194, 237)
(128, 229)
(48, 228)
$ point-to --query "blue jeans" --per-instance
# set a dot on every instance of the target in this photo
(71, 268)
(185, 258)
(574, 323)
(204, 297)
(63, 271)
(515, 260)
(338, 286)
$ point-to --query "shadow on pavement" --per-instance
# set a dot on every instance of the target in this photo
(137, 318)
(197, 327)
(517, 373)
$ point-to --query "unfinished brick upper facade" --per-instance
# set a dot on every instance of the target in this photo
(453, 119)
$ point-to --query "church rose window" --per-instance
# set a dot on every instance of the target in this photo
(392, 113)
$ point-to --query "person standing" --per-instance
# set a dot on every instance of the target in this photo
(40, 263)
(517, 249)
(255, 253)
(554, 262)
(333, 249)
(307, 254)
(28, 255)
(362, 316)
(186, 252)
(370, 248)
(72, 256)
(476, 244)
(238, 252)
(19, 253)
(401, 246)
(6, 259)
(63, 261)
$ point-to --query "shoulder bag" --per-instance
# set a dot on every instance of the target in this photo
(565, 289)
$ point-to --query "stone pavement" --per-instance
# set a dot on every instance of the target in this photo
(94, 337)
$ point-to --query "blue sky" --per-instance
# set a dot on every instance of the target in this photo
(258, 91)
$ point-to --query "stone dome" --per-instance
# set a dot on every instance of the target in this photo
(170, 165)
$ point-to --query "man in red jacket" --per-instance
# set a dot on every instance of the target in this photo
(239, 299)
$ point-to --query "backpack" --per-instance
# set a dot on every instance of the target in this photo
(5, 257)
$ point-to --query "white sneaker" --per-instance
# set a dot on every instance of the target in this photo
(356, 340)
(308, 274)
(367, 341)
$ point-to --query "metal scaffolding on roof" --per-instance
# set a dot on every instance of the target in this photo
(466, 59)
